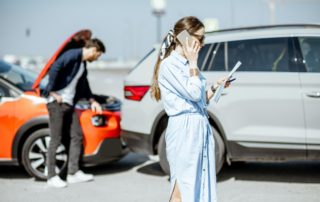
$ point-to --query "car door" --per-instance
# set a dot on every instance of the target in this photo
(310, 83)
(261, 114)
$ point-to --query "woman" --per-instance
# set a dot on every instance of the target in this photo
(189, 138)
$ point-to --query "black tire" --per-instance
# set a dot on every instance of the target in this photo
(162, 154)
(219, 152)
(34, 154)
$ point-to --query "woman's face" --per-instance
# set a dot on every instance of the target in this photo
(199, 36)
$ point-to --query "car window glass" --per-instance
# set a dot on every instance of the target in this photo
(143, 59)
(271, 55)
(211, 57)
(310, 48)
(21, 77)
(4, 90)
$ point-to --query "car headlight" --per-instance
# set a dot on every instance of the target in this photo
(99, 120)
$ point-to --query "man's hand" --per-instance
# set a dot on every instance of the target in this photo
(56, 96)
(96, 107)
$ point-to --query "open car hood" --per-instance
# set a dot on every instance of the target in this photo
(76, 40)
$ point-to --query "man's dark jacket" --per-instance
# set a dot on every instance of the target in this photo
(62, 72)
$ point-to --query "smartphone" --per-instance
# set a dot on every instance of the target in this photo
(182, 37)
(231, 79)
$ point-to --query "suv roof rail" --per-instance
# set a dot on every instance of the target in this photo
(266, 27)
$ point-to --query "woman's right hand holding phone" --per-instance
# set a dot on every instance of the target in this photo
(191, 52)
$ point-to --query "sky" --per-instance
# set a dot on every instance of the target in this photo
(127, 27)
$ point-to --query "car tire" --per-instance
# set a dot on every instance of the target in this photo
(162, 154)
(219, 152)
(34, 154)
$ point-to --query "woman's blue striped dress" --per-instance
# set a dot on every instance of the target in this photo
(189, 138)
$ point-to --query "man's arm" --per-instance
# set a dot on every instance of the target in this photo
(63, 61)
(95, 106)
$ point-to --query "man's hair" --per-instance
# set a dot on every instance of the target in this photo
(95, 43)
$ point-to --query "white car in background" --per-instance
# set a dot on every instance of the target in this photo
(270, 113)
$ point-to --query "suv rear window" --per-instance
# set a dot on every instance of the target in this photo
(145, 57)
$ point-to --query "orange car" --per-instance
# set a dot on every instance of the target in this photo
(24, 131)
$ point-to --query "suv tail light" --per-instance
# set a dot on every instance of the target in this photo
(135, 92)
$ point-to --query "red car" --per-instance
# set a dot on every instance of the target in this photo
(24, 131)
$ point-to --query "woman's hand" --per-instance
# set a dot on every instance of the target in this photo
(222, 80)
(191, 52)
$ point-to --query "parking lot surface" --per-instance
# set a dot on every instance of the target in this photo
(138, 178)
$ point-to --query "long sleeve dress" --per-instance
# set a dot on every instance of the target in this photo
(189, 139)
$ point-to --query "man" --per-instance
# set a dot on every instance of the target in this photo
(67, 84)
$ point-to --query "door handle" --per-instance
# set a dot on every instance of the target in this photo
(313, 94)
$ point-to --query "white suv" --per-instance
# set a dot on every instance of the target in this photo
(270, 113)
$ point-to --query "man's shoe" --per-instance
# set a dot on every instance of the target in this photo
(79, 176)
(56, 182)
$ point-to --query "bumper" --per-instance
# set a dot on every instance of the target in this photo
(110, 149)
(9, 162)
(138, 142)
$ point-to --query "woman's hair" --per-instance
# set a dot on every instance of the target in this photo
(192, 25)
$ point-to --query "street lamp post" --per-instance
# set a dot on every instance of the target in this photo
(158, 9)
(272, 8)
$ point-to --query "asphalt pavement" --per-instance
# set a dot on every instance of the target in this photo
(139, 178)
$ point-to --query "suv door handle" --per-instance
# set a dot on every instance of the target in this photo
(313, 94)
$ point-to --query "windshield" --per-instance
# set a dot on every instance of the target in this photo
(22, 78)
